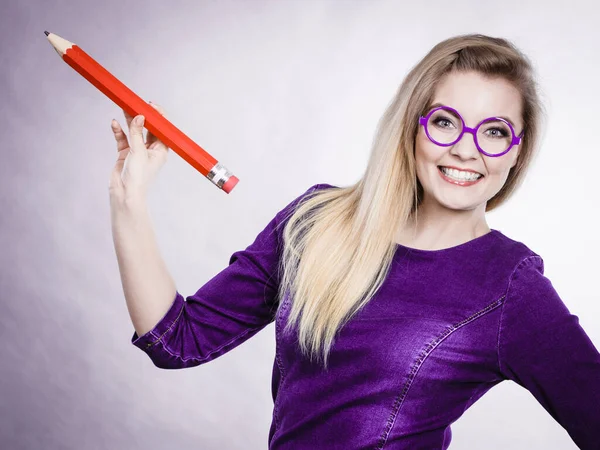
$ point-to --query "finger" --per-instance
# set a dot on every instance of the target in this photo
(120, 135)
(150, 138)
(136, 136)
(128, 118)
(159, 108)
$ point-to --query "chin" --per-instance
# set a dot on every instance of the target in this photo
(461, 207)
(456, 200)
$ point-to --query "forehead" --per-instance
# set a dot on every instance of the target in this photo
(478, 97)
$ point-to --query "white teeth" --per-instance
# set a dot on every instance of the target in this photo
(460, 175)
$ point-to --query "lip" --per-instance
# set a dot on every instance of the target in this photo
(458, 168)
(458, 183)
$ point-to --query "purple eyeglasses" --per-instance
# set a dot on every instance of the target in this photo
(493, 136)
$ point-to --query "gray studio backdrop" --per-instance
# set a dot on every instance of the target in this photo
(286, 94)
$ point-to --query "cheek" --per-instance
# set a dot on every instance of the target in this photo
(427, 156)
(499, 169)
(426, 151)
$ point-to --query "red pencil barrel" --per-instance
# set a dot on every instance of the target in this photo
(154, 122)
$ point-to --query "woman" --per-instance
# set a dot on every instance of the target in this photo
(396, 307)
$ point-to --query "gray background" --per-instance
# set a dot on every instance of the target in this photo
(286, 94)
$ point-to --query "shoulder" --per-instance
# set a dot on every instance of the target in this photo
(524, 267)
(531, 300)
(515, 246)
(516, 255)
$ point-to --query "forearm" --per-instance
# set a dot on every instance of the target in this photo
(147, 285)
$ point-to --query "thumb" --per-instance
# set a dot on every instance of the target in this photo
(136, 138)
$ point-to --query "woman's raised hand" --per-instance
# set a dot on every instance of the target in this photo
(137, 161)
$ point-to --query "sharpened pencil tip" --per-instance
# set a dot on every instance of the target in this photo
(46, 33)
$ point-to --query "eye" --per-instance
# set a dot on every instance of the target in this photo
(496, 132)
(443, 122)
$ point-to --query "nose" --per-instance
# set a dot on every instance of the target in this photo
(466, 147)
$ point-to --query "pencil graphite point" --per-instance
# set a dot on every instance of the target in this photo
(46, 33)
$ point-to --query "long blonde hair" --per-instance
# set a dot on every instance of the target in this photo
(339, 243)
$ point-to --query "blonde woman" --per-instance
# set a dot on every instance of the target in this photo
(396, 306)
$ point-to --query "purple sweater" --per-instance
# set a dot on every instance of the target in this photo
(445, 327)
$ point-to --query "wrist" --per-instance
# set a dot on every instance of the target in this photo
(128, 202)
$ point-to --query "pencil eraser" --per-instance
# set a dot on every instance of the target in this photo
(230, 183)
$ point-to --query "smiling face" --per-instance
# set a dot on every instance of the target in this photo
(476, 98)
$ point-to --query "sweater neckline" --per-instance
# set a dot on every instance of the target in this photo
(463, 246)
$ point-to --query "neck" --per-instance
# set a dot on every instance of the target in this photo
(430, 229)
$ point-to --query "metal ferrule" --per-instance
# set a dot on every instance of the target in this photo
(219, 174)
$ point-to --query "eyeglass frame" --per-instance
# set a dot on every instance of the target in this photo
(516, 140)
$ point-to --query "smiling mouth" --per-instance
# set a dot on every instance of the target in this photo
(458, 182)
(474, 173)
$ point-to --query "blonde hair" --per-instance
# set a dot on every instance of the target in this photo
(339, 243)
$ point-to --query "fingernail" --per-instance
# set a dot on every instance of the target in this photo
(140, 120)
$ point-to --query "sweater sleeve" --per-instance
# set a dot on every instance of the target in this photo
(543, 348)
(226, 311)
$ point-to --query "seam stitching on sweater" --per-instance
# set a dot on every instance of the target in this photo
(208, 355)
(505, 296)
(399, 400)
(159, 338)
(172, 353)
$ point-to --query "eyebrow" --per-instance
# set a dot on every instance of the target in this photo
(435, 105)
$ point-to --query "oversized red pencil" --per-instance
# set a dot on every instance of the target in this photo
(154, 122)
